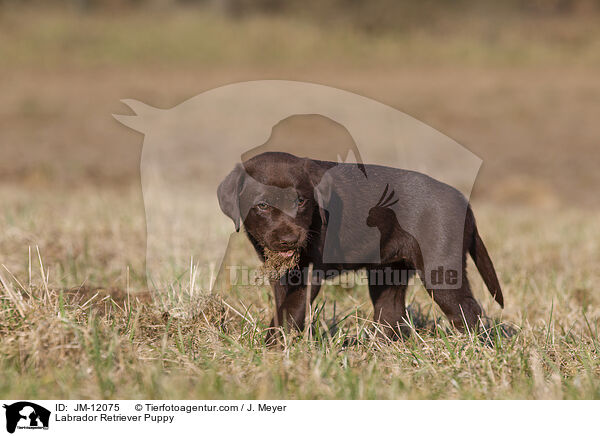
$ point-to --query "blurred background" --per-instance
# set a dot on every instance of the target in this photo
(515, 82)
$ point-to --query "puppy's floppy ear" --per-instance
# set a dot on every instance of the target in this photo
(322, 183)
(229, 194)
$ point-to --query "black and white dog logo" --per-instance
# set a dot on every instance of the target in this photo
(26, 415)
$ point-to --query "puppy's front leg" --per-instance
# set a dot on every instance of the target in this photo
(290, 307)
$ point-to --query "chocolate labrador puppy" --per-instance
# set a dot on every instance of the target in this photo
(394, 223)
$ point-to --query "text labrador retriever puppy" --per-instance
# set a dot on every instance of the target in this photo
(340, 217)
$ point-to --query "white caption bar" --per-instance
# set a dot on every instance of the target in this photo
(23, 417)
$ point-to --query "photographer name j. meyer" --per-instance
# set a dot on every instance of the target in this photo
(159, 413)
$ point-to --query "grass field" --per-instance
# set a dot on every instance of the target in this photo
(88, 328)
(77, 319)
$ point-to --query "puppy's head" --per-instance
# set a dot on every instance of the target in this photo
(273, 195)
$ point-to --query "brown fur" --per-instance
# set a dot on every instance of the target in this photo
(303, 228)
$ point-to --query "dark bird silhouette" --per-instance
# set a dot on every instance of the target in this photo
(396, 244)
(401, 252)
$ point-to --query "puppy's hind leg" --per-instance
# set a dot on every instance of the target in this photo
(459, 305)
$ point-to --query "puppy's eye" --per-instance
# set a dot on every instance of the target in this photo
(262, 205)
(301, 201)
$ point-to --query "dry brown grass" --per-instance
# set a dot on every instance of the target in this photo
(89, 327)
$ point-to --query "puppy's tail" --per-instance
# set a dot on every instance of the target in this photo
(484, 263)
